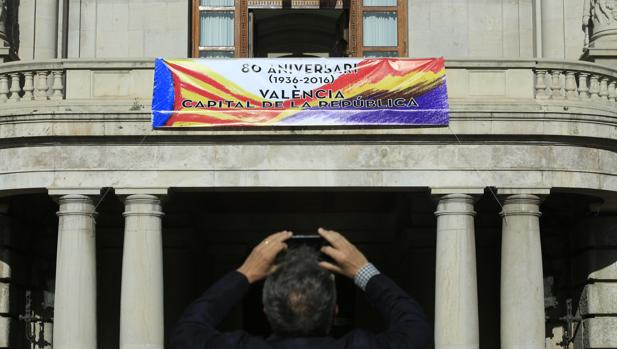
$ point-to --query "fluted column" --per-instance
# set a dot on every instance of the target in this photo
(141, 303)
(456, 291)
(75, 293)
(522, 288)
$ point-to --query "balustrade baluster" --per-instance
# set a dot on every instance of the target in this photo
(604, 89)
(28, 86)
(556, 85)
(612, 92)
(15, 88)
(541, 87)
(594, 87)
(583, 89)
(57, 87)
(4, 88)
(41, 87)
(571, 92)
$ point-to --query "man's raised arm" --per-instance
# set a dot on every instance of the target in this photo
(407, 324)
(196, 329)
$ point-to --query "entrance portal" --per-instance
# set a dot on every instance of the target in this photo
(297, 32)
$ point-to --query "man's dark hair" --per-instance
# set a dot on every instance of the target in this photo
(300, 296)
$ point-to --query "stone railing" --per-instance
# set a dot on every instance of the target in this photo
(541, 80)
(472, 80)
(75, 79)
(27, 85)
(575, 81)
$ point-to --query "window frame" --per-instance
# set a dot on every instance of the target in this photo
(357, 15)
(356, 20)
(240, 48)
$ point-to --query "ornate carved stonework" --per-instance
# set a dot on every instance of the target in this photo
(600, 26)
(599, 19)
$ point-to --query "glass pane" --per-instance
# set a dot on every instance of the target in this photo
(217, 3)
(216, 54)
(217, 29)
(379, 29)
(379, 2)
(380, 54)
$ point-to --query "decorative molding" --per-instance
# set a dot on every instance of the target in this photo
(600, 23)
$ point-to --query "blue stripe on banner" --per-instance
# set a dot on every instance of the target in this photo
(162, 94)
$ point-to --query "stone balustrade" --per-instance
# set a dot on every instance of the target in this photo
(29, 85)
(542, 80)
(572, 84)
(484, 80)
(75, 79)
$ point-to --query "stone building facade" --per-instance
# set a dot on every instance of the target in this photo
(503, 225)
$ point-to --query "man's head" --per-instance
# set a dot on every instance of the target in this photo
(300, 297)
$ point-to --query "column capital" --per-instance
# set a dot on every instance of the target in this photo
(455, 204)
(74, 204)
(521, 205)
(142, 205)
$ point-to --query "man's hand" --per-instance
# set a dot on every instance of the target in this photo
(260, 262)
(348, 258)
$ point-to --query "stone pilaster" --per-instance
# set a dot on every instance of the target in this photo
(522, 286)
(46, 29)
(141, 309)
(456, 294)
(551, 25)
(75, 296)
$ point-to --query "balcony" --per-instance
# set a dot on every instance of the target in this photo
(487, 97)
(519, 125)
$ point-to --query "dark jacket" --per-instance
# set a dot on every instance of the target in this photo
(196, 329)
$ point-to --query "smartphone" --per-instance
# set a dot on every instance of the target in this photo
(313, 241)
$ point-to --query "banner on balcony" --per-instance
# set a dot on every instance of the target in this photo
(299, 92)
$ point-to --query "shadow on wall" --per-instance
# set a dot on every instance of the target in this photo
(11, 26)
(27, 263)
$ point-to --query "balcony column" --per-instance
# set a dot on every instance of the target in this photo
(75, 293)
(456, 294)
(141, 301)
(522, 288)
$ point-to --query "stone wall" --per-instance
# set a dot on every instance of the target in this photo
(451, 28)
(136, 28)
(496, 28)
(103, 28)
